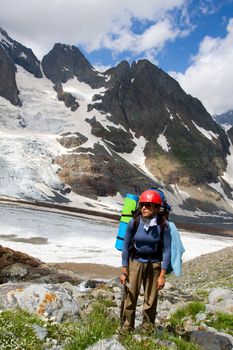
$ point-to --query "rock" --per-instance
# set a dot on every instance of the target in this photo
(69, 140)
(43, 300)
(107, 344)
(20, 267)
(66, 97)
(9, 256)
(91, 284)
(102, 293)
(15, 271)
(228, 336)
(198, 274)
(168, 286)
(219, 294)
(65, 62)
(209, 340)
(189, 327)
(21, 55)
(225, 306)
(165, 305)
(200, 316)
(41, 332)
(8, 86)
(220, 300)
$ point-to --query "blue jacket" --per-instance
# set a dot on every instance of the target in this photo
(177, 250)
(146, 243)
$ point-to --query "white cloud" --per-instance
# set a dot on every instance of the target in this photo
(91, 23)
(156, 36)
(210, 76)
(101, 67)
(149, 42)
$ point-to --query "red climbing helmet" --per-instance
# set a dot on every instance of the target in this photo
(150, 196)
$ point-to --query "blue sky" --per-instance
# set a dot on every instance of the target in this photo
(176, 55)
(192, 40)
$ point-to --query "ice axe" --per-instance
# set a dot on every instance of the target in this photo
(124, 292)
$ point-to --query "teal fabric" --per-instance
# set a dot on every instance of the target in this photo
(177, 250)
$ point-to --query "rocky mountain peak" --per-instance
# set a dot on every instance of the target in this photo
(146, 100)
(8, 87)
(20, 54)
(13, 53)
(64, 62)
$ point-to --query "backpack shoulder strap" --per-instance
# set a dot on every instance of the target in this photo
(136, 223)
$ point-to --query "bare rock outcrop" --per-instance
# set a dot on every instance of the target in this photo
(19, 267)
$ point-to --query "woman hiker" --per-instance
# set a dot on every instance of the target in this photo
(145, 258)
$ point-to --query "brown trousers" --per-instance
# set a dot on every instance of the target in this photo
(146, 274)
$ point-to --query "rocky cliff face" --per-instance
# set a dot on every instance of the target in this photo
(64, 62)
(8, 87)
(13, 53)
(130, 127)
(147, 101)
(230, 133)
(20, 54)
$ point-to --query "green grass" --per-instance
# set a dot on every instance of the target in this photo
(16, 331)
(157, 342)
(182, 344)
(222, 322)
(189, 310)
(96, 325)
(146, 343)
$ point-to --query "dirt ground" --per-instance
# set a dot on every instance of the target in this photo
(90, 271)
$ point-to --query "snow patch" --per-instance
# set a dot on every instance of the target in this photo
(5, 40)
(23, 55)
(207, 133)
(182, 122)
(27, 167)
(170, 114)
(217, 187)
(137, 156)
(107, 77)
(163, 143)
(227, 175)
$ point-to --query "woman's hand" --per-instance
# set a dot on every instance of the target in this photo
(124, 277)
(161, 279)
(160, 282)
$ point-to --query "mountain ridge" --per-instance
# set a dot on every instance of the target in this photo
(123, 130)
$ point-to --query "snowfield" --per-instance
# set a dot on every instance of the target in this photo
(66, 238)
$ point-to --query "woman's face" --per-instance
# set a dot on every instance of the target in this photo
(148, 210)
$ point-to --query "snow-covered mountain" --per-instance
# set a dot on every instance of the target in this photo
(224, 118)
(75, 136)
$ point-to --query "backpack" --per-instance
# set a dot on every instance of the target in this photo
(130, 211)
(162, 224)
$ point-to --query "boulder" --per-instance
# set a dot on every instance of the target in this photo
(45, 300)
(209, 340)
(220, 300)
(106, 344)
(219, 294)
(19, 267)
